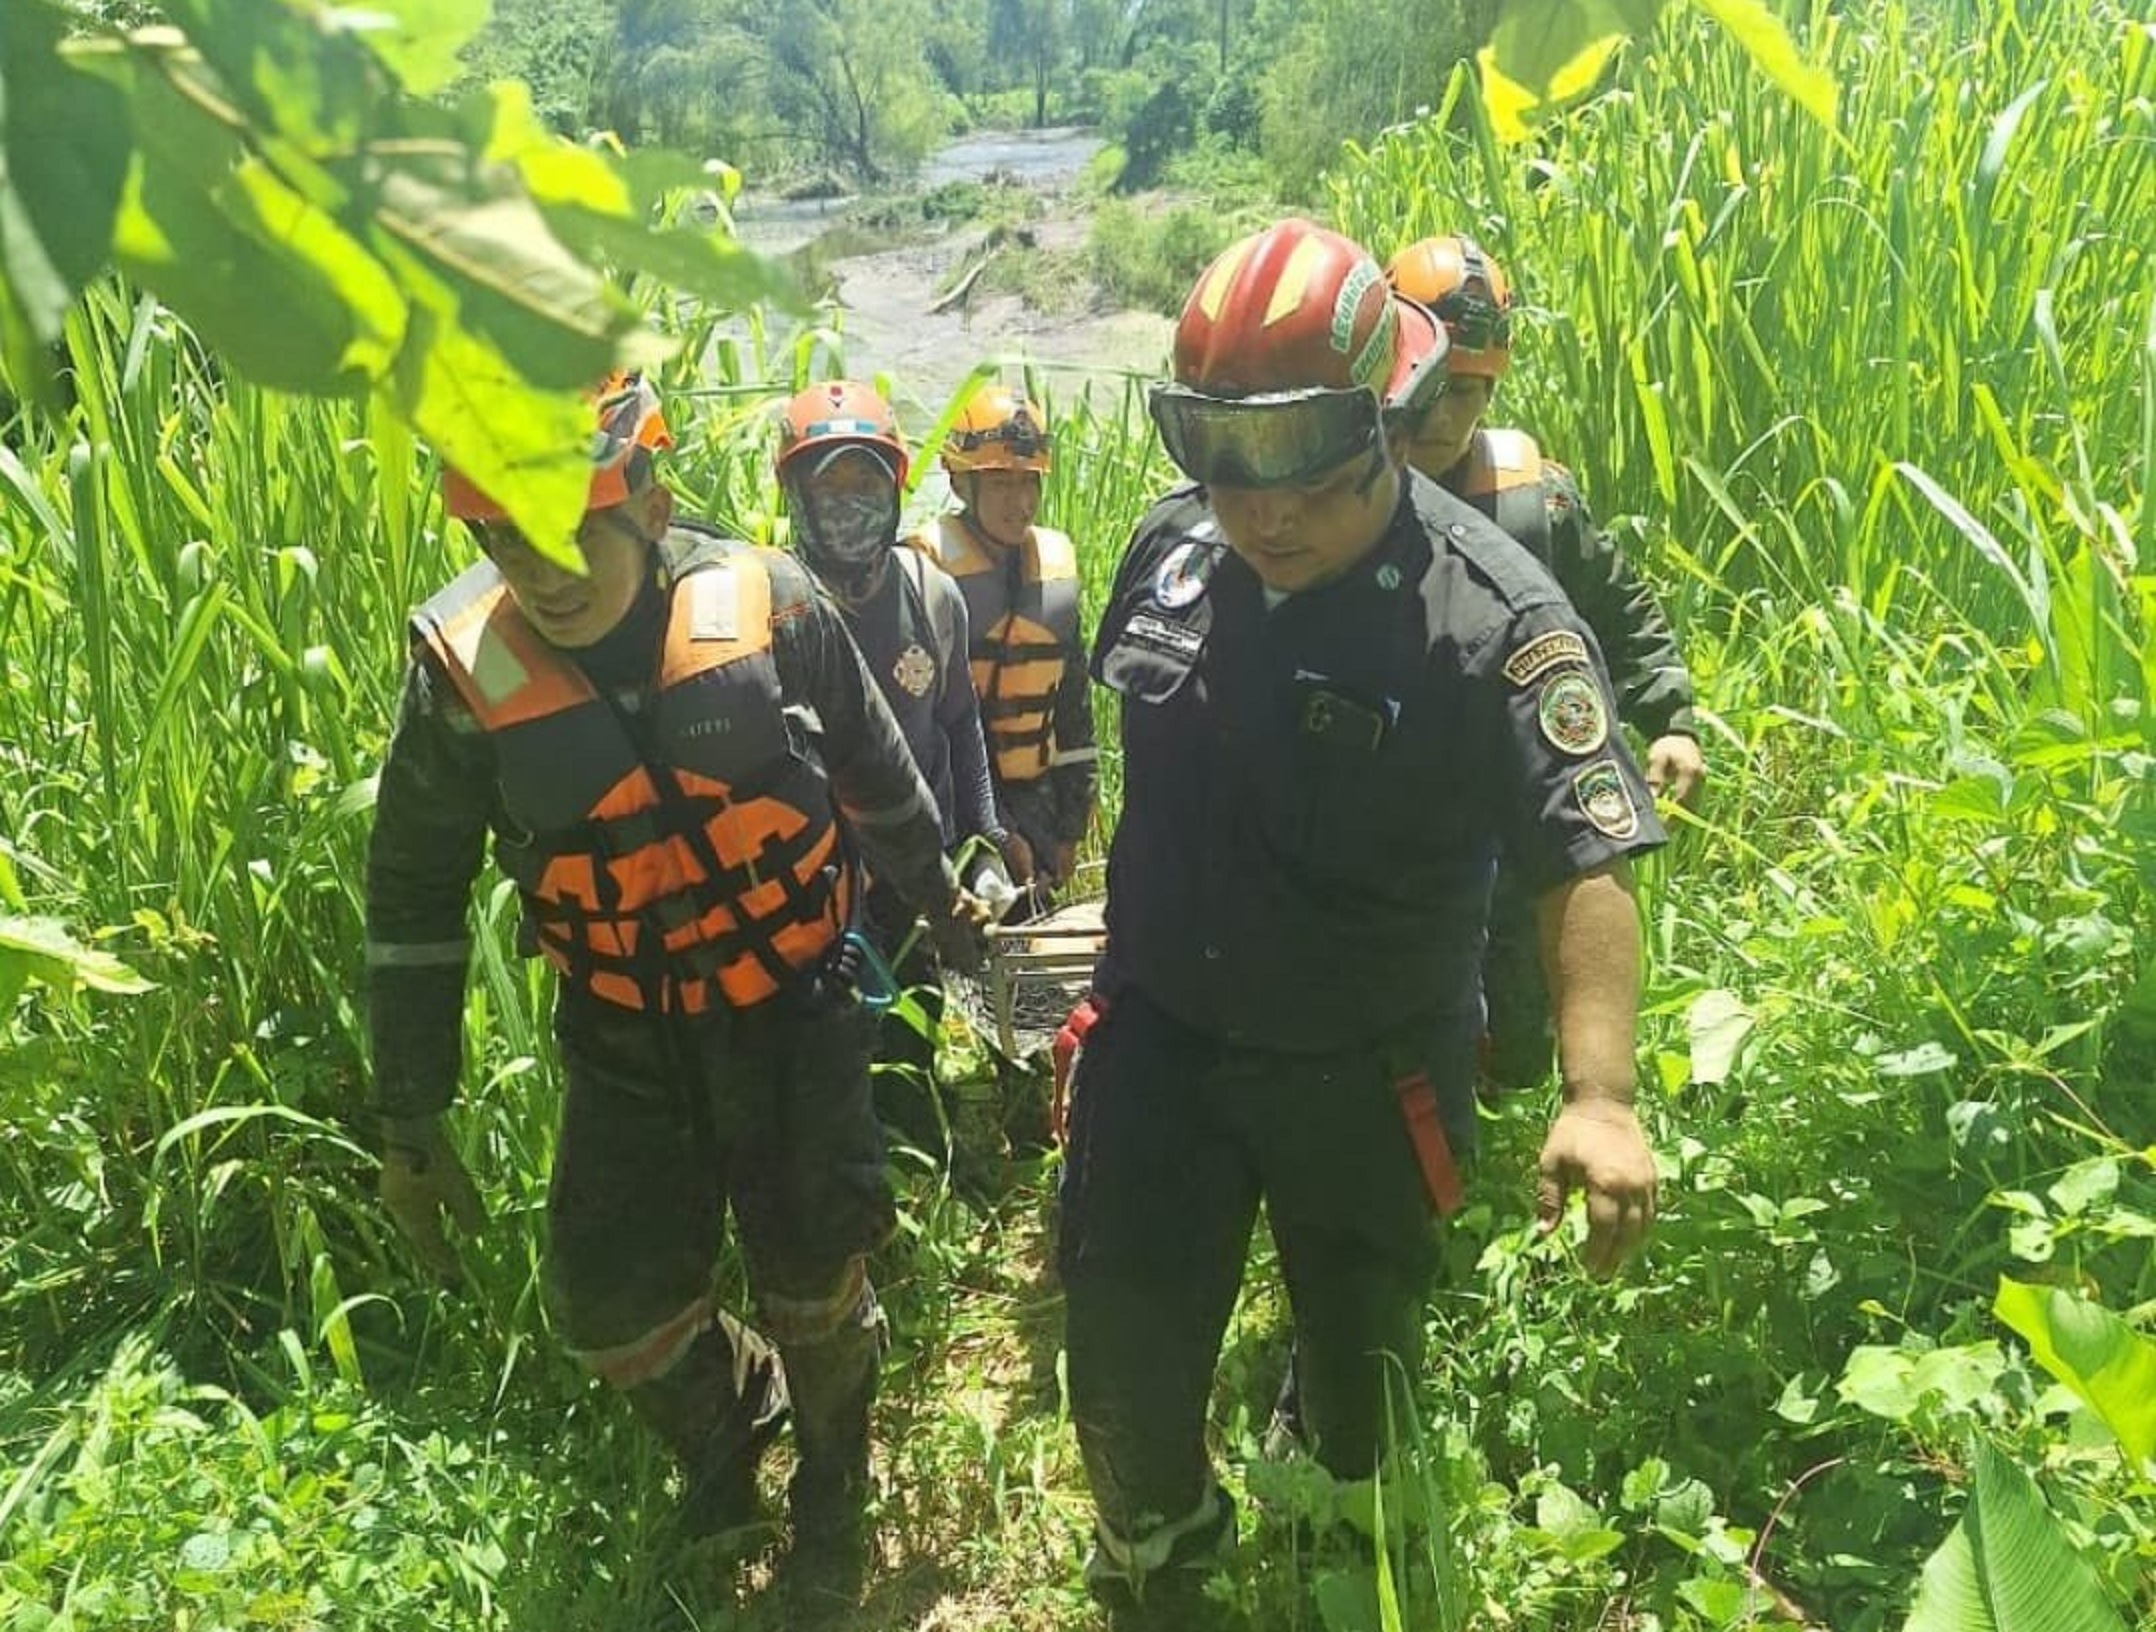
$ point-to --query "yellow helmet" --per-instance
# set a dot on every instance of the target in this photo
(999, 429)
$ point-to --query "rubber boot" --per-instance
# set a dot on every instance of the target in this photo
(718, 1409)
(833, 1382)
(1168, 1595)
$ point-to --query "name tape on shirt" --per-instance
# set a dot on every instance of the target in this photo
(1605, 800)
(1543, 653)
(1176, 639)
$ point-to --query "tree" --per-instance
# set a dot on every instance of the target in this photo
(854, 72)
(1028, 34)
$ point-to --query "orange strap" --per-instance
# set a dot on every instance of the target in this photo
(1070, 1037)
(1433, 1152)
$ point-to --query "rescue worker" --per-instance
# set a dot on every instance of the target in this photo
(1341, 690)
(1021, 586)
(842, 465)
(1503, 473)
(676, 754)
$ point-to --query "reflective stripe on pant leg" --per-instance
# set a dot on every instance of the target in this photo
(788, 1318)
(653, 1353)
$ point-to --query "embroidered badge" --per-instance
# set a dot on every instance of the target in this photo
(1605, 800)
(915, 671)
(1181, 578)
(1388, 576)
(1571, 712)
(1543, 654)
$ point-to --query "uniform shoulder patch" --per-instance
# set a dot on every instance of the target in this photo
(1605, 800)
(1182, 575)
(1544, 653)
(1572, 714)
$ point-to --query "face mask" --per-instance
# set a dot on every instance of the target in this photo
(846, 535)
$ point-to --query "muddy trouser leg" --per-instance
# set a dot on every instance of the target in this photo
(1158, 1201)
(1520, 1037)
(634, 1212)
(1357, 1234)
(812, 1201)
(908, 1100)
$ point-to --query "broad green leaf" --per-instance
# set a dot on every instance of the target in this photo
(2008, 1566)
(1924, 1060)
(417, 39)
(2093, 1352)
(1765, 38)
(260, 275)
(289, 67)
(44, 948)
(1718, 1023)
(500, 271)
(529, 450)
(1544, 52)
(65, 139)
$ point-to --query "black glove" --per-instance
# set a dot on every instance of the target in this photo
(960, 934)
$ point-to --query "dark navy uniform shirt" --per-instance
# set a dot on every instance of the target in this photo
(1315, 792)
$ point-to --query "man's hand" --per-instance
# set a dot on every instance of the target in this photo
(423, 1178)
(1676, 767)
(1018, 858)
(960, 932)
(1596, 1146)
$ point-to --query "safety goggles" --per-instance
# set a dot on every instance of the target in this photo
(1476, 322)
(1018, 433)
(1276, 439)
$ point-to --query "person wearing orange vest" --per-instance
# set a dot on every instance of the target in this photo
(681, 761)
(1341, 693)
(1021, 586)
(1503, 473)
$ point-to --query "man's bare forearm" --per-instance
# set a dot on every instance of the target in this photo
(1590, 956)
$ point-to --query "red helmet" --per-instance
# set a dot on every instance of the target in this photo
(1470, 295)
(628, 430)
(1298, 308)
(840, 413)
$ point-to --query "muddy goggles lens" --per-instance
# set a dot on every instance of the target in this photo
(1275, 440)
(1020, 435)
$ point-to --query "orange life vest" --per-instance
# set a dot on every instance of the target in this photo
(685, 861)
(1022, 605)
(1501, 475)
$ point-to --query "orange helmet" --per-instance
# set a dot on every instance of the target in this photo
(1470, 295)
(840, 413)
(999, 429)
(629, 429)
(1298, 308)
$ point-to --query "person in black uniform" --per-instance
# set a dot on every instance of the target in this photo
(842, 465)
(677, 753)
(1341, 691)
(1504, 473)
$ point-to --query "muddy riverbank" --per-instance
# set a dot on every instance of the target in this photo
(886, 299)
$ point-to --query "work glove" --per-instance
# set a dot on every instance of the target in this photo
(960, 932)
(423, 1178)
